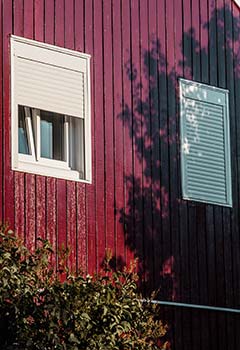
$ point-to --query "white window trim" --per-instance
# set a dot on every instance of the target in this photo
(43, 166)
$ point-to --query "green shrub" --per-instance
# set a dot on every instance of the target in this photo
(101, 312)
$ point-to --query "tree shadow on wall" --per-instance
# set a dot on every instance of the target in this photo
(152, 216)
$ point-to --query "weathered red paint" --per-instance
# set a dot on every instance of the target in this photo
(134, 205)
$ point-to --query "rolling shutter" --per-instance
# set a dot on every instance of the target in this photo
(205, 143)
(47, 79)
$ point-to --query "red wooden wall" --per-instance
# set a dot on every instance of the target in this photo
(139, 48)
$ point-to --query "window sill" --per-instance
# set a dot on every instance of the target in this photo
(49, 171)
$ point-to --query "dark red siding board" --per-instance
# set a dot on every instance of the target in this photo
(61, 214)
(30, 183)
(79, 25)
(8, 180)
(81, 213)
(196, 38)
(204, 42)
(154, 134)
(81, 244)
(163, 131)
(41, 186)
(51, 214)
(71, 186)
(69, 23)
(40, 207)
(99, 126)
(176, 235)
(19, 185)
(30, 211)
(18, 18)
(71, 225)
(146, 129)
(28, 19)
(108, 122)
(57, 33)
(118, 130)
(137, 133)
(59, 23)
(49, 15)
(91, 189)
(39, 20)
(19, 205)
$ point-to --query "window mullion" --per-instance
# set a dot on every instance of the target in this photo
(29, 131)
(66, 140)
(37, 131)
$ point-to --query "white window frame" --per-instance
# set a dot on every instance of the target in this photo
(34, 163)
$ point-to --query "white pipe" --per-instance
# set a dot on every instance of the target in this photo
(192, 306)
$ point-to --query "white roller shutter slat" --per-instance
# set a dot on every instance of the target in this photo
(205, 144)
(50, 80)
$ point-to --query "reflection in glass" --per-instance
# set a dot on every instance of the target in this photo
(23, 146)
(52, 136)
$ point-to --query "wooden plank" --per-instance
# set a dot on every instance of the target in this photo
(61, 209)
(30, 211)
(41, 207)
(81, 229)
(39, 20)
(59, 23)
(99, 122)
(30, 183)
(128, 165)
(79, 25)
(18, 18)
(147, 166)
(8, 180)
(178, 319)
(91, 189)
(57, 32)
(71, 186)
(172, 144)
(69, 23)
(118, 133)
(51, 216)
(155, 141)
(204, 42)
(108, 126)
(137, 132)
(71, 225)
(164, 149)
(212, 34)
(49, 14)
(19, 185)
(228, 227)
(81, 214)
(28, 19)
(205, 214)
(19, 205)
(41, 187)
(196, 39)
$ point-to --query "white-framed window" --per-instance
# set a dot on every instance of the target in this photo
(205, 143)
(50, 101)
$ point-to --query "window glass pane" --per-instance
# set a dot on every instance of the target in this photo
(77, 151)
(52, 136)
(23, 146)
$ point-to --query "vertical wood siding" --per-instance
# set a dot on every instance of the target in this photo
(139, 49)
